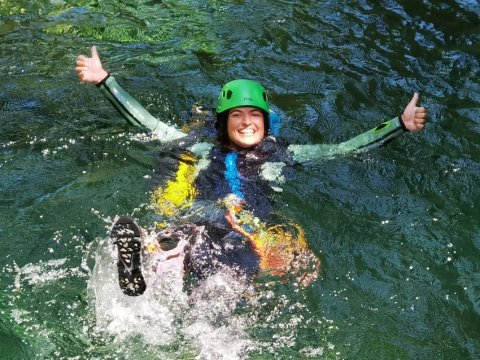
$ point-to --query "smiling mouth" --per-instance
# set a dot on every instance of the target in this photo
(246, 132)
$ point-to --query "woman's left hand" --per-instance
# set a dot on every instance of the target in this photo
(414, 117)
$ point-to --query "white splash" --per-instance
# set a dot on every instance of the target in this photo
(44, 272)
(165, 313)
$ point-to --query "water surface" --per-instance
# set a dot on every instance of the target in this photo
(396, 228)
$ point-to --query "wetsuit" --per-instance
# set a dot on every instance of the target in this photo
(235, 185)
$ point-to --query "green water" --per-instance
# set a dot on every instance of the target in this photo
(396, 229)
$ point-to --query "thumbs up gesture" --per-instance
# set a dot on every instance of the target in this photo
(89, 69)
(414, 117)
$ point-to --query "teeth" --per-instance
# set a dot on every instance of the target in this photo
(246, 132)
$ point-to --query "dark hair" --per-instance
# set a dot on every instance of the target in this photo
(222, 129)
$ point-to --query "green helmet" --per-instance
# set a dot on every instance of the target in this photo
(242, 93)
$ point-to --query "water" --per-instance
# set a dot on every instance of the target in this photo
(396, 228)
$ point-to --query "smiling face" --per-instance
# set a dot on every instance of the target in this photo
(245, 126)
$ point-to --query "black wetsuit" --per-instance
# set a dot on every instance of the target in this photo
(214, 242)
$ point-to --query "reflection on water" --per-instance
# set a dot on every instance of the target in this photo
(396, 228)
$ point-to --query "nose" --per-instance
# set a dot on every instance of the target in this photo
(247, 119)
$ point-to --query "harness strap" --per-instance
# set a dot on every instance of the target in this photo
(232, 175)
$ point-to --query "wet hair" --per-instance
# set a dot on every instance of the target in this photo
(222, 129)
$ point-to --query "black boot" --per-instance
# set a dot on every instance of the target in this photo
(126, 234)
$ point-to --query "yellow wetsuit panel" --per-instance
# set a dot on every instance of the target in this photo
(180, 193)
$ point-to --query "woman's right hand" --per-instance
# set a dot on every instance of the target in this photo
(89, 69)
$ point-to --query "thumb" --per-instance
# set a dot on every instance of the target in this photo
(94, 53)
(413, 102)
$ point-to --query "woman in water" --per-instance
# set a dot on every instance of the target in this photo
(230, 182)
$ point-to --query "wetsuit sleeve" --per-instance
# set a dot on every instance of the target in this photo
(134, 112)
(378, 136)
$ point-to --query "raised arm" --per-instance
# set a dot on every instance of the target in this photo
(412, 119)
(90, 70)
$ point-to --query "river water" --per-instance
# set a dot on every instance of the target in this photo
(396, 228)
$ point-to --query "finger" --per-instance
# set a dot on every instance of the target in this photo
(80, 70)
(81, 76)
(420, 125)
(419, 120)
(81, 60)
(421, 112)
(80, 64)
